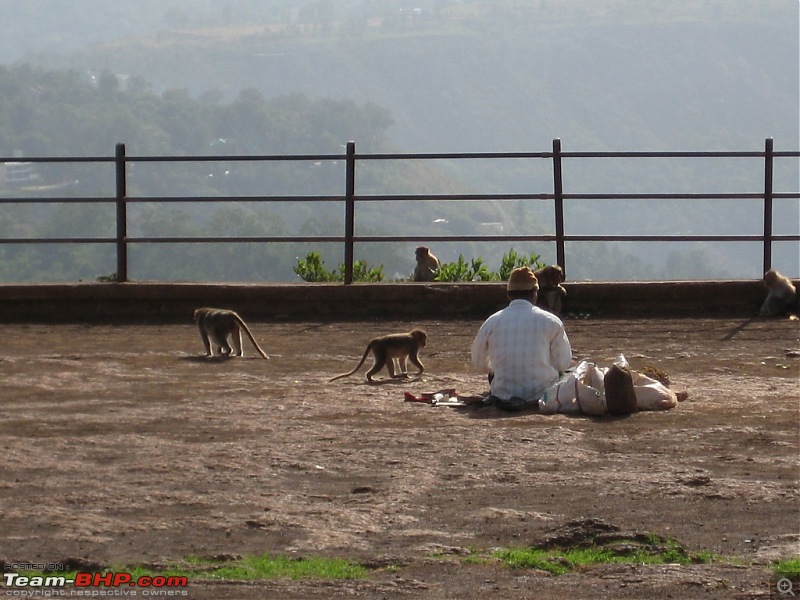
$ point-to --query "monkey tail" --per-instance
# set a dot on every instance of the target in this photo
(244, 326)
(358, 366)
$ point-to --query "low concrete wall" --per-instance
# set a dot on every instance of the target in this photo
(176, 301)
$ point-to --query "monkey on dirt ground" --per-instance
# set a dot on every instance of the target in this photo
(550, 289)
(387, 348)
(216, 325)
(427, 265)
(782, 296)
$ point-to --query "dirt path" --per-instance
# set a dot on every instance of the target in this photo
(121, 444)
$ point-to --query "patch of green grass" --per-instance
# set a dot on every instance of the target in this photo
(245, 569)
(789, 568)
(475, 558)
(283, 567)
(650, 550)
(560, 561)
(533, 558)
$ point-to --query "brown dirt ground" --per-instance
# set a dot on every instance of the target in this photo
(121, 444)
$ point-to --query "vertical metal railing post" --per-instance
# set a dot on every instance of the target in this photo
(768, 160)
(349, 212)
(558, 192)
(122, 215)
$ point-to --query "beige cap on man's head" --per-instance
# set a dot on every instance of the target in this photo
(522, 278)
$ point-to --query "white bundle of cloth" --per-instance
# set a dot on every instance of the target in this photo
(581, 391)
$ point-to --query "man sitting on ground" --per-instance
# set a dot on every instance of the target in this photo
(523, 348)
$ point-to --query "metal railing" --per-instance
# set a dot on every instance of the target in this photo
(349, 238)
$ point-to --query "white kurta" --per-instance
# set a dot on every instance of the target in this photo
(526, 348)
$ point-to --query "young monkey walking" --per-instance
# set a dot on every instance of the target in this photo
(387, 348)
(216, 325)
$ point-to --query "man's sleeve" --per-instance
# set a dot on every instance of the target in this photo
(480, 350)
(561, 351)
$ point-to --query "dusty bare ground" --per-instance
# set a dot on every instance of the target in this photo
(120, 445)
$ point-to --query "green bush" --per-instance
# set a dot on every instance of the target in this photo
(461, 271)
(478, 271)
(362, 272)
(312, 269)
(512, 260)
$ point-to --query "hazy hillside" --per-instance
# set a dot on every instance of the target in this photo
(504, 76)
(638, 77)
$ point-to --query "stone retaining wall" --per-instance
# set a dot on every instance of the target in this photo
(176, 301)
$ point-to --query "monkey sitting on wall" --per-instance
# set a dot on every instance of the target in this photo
(387, 348)
(782, 296)
(550, 289)
(427, 265)
(216, 325)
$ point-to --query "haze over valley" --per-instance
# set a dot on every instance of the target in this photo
(259, 77)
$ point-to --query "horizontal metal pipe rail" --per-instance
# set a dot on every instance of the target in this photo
(350, 199)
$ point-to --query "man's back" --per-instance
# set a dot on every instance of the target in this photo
(524, 347)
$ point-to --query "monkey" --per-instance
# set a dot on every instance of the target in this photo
(387, 348)
(216, 325)
(550, 289)
(782, 296)
(427, 265)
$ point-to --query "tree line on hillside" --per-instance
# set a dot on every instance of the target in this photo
(66, 113)
(47, 113)
(57, 113)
